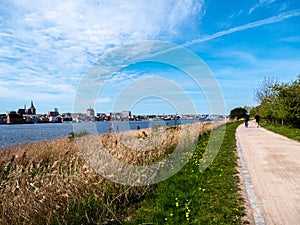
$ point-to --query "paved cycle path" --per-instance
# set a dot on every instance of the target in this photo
(271, 171)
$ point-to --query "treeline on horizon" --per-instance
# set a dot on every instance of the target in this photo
(278, 103)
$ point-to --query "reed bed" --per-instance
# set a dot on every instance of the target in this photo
(53, 182)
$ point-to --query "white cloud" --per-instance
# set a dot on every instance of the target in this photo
(270, 20)
(261, 3)
(56, 41)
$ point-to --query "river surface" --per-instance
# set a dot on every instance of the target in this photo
(26, 133)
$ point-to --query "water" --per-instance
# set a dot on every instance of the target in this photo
(27, 133)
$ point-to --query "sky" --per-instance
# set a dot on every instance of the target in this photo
(53, 51)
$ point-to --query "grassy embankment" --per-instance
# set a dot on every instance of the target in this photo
(51, 183)
(195, 197)
(290, 132)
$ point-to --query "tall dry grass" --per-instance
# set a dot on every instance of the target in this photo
(40, 182)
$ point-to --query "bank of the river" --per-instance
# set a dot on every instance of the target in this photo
(193, 197)
(14, 134)
(49, 182)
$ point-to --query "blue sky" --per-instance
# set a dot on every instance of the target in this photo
(47, 47)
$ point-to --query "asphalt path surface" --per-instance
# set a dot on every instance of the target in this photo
(271, 171)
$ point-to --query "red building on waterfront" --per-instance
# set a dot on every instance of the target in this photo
(23, 115)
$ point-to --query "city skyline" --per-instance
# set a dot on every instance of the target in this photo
(28, 116)
(48, 47)
(90, 111)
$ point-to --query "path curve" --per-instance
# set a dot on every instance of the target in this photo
(271, 174)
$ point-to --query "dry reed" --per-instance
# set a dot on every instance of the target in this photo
(40, 180)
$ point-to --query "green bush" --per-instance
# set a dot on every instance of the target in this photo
(73, 135)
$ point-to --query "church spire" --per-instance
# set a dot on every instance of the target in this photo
(32, 109)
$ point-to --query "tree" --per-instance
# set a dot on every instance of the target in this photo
(279, 102)
(255, 110)
(287, 103)
(264, 93)
(238, 113)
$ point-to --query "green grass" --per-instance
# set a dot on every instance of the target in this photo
(194, 197)
(290, 132)
(66, 191)
(73, 135)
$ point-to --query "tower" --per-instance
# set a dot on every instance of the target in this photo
(32, 109)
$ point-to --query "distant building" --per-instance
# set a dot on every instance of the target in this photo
(125, 114)
(115, 116)
(31, 110)
(67, 117)
(53, 113)
(22, 111)
(77, 117)
(13, 117)
(53, 116)
(3, 118)
(101, 116)
(90, 112)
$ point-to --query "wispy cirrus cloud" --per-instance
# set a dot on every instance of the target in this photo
(261, 3)
(270, 20)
